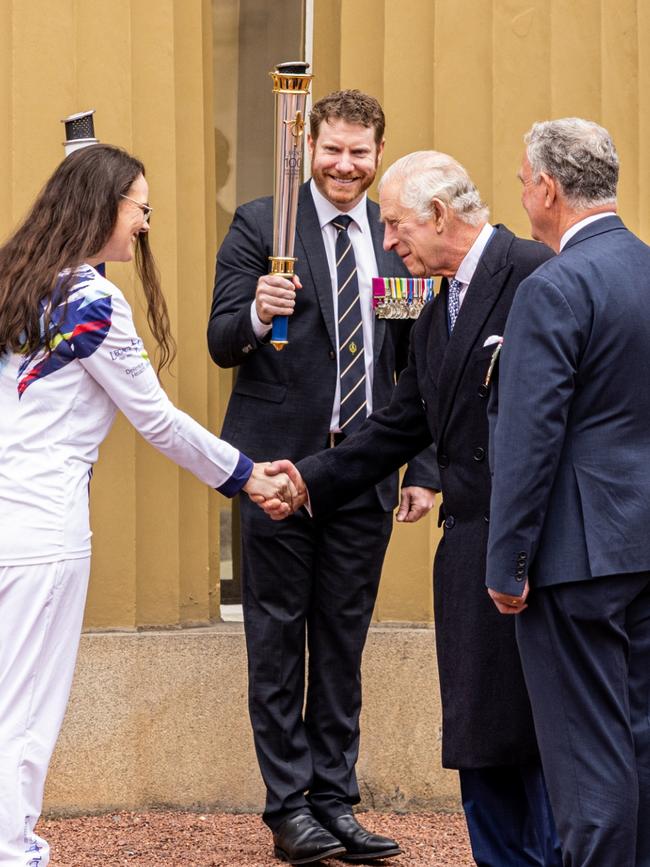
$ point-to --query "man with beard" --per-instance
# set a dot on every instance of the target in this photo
(302, 577)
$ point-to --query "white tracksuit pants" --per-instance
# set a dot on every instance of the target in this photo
(41, 613)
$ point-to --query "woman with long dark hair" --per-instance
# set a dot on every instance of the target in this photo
(69, 358)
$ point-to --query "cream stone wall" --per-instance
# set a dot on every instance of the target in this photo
(160, 718)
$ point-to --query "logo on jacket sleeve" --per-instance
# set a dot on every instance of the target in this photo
(76, 330)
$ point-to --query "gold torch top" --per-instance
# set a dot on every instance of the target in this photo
(291, 77)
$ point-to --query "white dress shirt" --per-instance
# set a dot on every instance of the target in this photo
(364, 254)
(469, 264)
(580, 225)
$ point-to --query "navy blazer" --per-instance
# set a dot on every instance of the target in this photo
(281, 403)
(571, 485)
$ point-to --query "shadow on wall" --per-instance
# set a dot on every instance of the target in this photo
(223, 169)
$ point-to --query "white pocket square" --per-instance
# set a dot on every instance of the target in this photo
(492, 339)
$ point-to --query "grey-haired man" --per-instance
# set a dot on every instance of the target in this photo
(571, 495)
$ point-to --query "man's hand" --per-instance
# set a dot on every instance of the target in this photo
(415, 503)
(276, 488)
(280, 507)
(275, 296)
(508, 604)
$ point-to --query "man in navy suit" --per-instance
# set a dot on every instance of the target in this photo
(435, 220)
(570, 513)
(318, 578)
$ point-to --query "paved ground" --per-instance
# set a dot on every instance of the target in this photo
(224, 840)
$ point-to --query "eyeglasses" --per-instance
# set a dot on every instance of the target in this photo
(146, 209)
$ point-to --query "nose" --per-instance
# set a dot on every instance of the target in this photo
(390, 237)
(345, 163)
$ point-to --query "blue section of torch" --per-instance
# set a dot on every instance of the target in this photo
(280, 330)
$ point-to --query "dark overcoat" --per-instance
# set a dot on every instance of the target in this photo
(442, 397)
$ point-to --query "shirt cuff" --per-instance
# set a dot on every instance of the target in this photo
(260, 328)
(238, 478)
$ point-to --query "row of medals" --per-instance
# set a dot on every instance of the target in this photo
(398, 308)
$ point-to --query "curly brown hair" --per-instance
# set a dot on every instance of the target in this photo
(352, 106)
(71, 220)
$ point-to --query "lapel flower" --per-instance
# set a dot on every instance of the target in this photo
(496, 341)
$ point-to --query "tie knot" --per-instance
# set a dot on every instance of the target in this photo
(341, 222)
(455, 285)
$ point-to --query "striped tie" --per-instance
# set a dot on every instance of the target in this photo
(352, 369)
(453, 301)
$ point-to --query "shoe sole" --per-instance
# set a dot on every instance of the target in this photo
(328, 853)
(366, 857)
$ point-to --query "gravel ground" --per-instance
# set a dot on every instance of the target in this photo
(226, 840)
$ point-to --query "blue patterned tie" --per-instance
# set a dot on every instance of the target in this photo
(352, 368)
(453, 301)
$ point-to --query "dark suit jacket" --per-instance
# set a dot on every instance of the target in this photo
(281, 404)
(571, 498)
(441, 397)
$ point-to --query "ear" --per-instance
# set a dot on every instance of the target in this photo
(310, 144)
(380, 151)
(550, 189)
(440, 215)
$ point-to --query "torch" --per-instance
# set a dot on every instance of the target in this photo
(290, 87)
(79, 131)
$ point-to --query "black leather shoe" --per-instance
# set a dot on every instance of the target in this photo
(360, 844)
(302, 840)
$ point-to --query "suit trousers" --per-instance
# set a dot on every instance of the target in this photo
(585, 650)
(42, 611)
(509, 817)
(309, 582)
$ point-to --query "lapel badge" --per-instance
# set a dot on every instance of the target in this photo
(401, 297)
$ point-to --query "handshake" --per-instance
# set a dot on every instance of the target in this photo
(277, 488)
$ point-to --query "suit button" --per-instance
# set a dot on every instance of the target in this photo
(443, 461)
(520, 571)
(482, 390)
(519, 577)
(479, 453)
(486, 517)
(332, 355)
(424, 403)
(450, 522)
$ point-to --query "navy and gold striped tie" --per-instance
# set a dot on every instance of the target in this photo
(352, 368)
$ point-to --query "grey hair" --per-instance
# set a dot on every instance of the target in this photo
(427, 175)
(580, 155)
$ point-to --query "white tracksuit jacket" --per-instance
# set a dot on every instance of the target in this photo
(55, 410)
